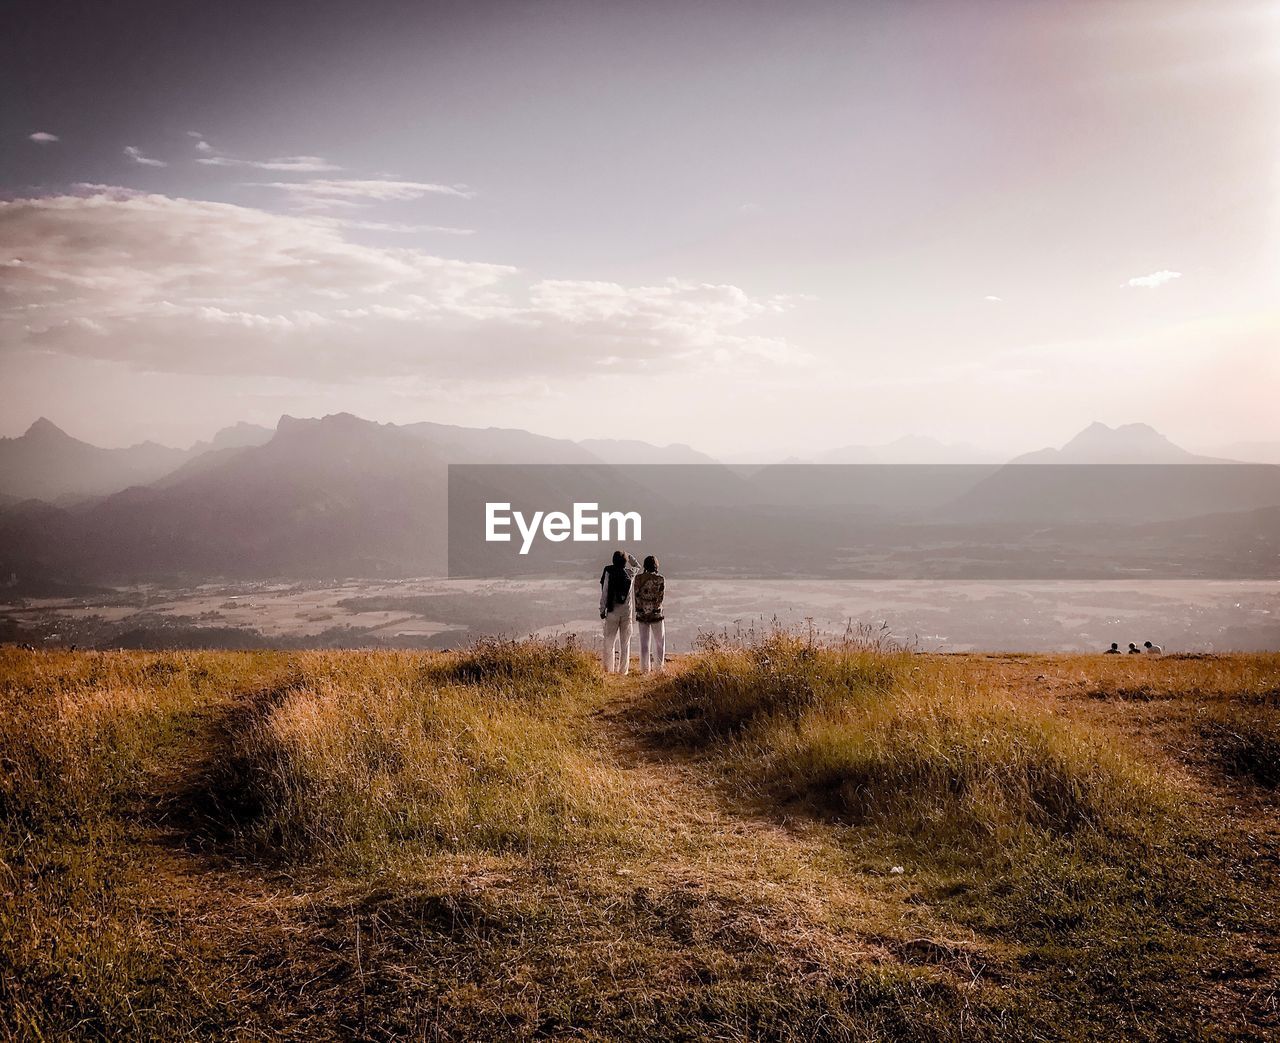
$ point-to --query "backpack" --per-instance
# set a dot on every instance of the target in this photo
(649, 590)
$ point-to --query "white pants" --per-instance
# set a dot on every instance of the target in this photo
(653, 635)
(617, 629)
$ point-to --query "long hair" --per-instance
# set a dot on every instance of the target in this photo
(651, 564)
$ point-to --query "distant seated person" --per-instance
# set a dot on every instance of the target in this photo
(1114, 649)
(1134, 649)
(1152, 649)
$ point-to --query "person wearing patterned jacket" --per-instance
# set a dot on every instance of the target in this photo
(648, 589)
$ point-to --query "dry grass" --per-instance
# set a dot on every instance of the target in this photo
(900, 740)
(1245, 741)
(472, 750)
(501, 844)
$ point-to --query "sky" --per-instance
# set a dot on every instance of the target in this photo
(758, 228)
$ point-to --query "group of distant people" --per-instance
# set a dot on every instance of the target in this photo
(630, 593)
(1148, 648)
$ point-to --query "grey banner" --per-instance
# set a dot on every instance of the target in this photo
(1018, 521)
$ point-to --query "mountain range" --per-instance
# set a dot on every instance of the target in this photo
(317, 498)
(45, 463)
(343, 496)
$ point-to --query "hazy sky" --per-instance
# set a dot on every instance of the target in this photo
(751, 227)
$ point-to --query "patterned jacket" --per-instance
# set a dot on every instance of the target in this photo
(647, 590)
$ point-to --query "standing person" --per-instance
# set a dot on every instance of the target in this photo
(648, 590)
(617, 609)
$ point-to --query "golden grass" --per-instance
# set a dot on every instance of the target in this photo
(361, 762)
(499, 843)
(78, 730)
(892, 738)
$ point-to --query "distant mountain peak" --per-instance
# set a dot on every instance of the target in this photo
(48, 464)
(1099, 443)
(45, 428)
(347, 421)
(1099, 430)
(240, 435)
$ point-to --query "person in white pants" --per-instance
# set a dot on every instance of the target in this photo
(617, 609)
(647, 592)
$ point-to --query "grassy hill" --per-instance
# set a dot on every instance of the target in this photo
(776, 841)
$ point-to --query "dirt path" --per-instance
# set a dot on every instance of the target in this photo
(300, 944)
(793, 871)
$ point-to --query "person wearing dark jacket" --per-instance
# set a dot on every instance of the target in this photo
(617, 609)
(647, 590)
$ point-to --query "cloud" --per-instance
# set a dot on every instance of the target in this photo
(42, 137)
(397, 226)
(186, 286)
(136, 155)
(347, 191)
(290, 164)
(1155, 279)
(993, 299)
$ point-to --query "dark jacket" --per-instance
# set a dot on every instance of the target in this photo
(607, 600)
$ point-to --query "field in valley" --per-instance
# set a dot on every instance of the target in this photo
(779, 839)
(435, 613)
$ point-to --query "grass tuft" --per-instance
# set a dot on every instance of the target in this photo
(733, 684)
(886, 737)
(1245, 742)
(356, 772)
(532, 667)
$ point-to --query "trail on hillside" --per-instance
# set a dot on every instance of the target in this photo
(723, 888)
(298, 945)
(792, 868)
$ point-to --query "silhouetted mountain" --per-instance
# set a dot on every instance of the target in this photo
(238, 436)
(332, 497)
(46, 463)
(498, 445)
(342, 496)
(1126, 444)
(1081, 483)
(321, 498)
